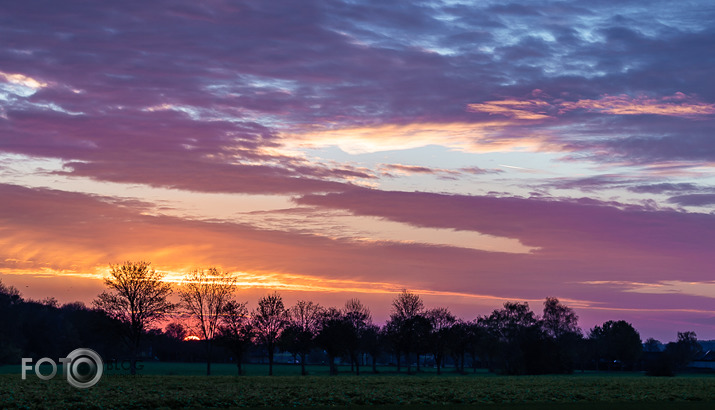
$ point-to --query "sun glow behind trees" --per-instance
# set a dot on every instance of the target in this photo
(512, 340)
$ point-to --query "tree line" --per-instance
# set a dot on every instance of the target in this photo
(510, 340)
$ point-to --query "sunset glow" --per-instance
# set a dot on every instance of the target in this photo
(472, 153)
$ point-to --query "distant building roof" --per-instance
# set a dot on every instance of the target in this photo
(708, 356)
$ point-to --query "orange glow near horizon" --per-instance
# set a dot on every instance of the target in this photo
(316, 285)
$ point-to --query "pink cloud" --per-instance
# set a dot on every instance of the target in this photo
(518, 109)
(677, 105)
(581, 241)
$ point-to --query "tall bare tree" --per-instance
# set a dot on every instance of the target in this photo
(407, 305)
(303, 324)
(236, 330)
(407, 325)
(204, 294)
(441, 321)
(359, 318)
(269, 320)
(138, 298)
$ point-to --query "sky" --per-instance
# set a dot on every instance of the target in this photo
(471, 152)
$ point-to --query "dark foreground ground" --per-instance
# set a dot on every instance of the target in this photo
(166, 386)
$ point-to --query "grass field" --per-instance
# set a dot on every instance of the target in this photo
(170, 385)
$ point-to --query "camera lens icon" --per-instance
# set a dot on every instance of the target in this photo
(83, 368)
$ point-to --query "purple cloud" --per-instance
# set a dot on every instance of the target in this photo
(315, 62)
(581, 229)
(213, 96)
(663, 187)
(693, 200)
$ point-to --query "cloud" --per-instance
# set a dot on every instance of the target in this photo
(632, 130)
(637, 183)
(75, 232)
(23, 80)
(419, 170)
(72, 232)
(441, 173)
(677, 105)
(518, 109)
(591, 183)
(693, 199)
(663, 187)
(706, 289)
(306, 74)
(469, 137)
(479, 171)
(413, 169)
(575, 229)
(168, 149)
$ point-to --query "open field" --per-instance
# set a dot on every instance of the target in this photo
(155, 368)
(225, 369)
(156, 388)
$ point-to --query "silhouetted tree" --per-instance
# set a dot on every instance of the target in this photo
(441, 322)
(269, 320)
(91, 328)
(407, 326)
(372, 343)
(236, 331)
(674, 358)
(289, 341)
(558, 319)
(50, 301)
(459, 339)
(204, 294)
(393, 338)
(408, 335)
(10, 319)
(514, 330)
(617, 343)
(303, 324)
(684, 350)
(175, 330)
(9, 295)
(652, 345)
(510, 340)
(560, 324)
(138, 298)
(335, 334)
(358, 316)
(419, 337)
(407, 305)
(475, 338)
(490, 344)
